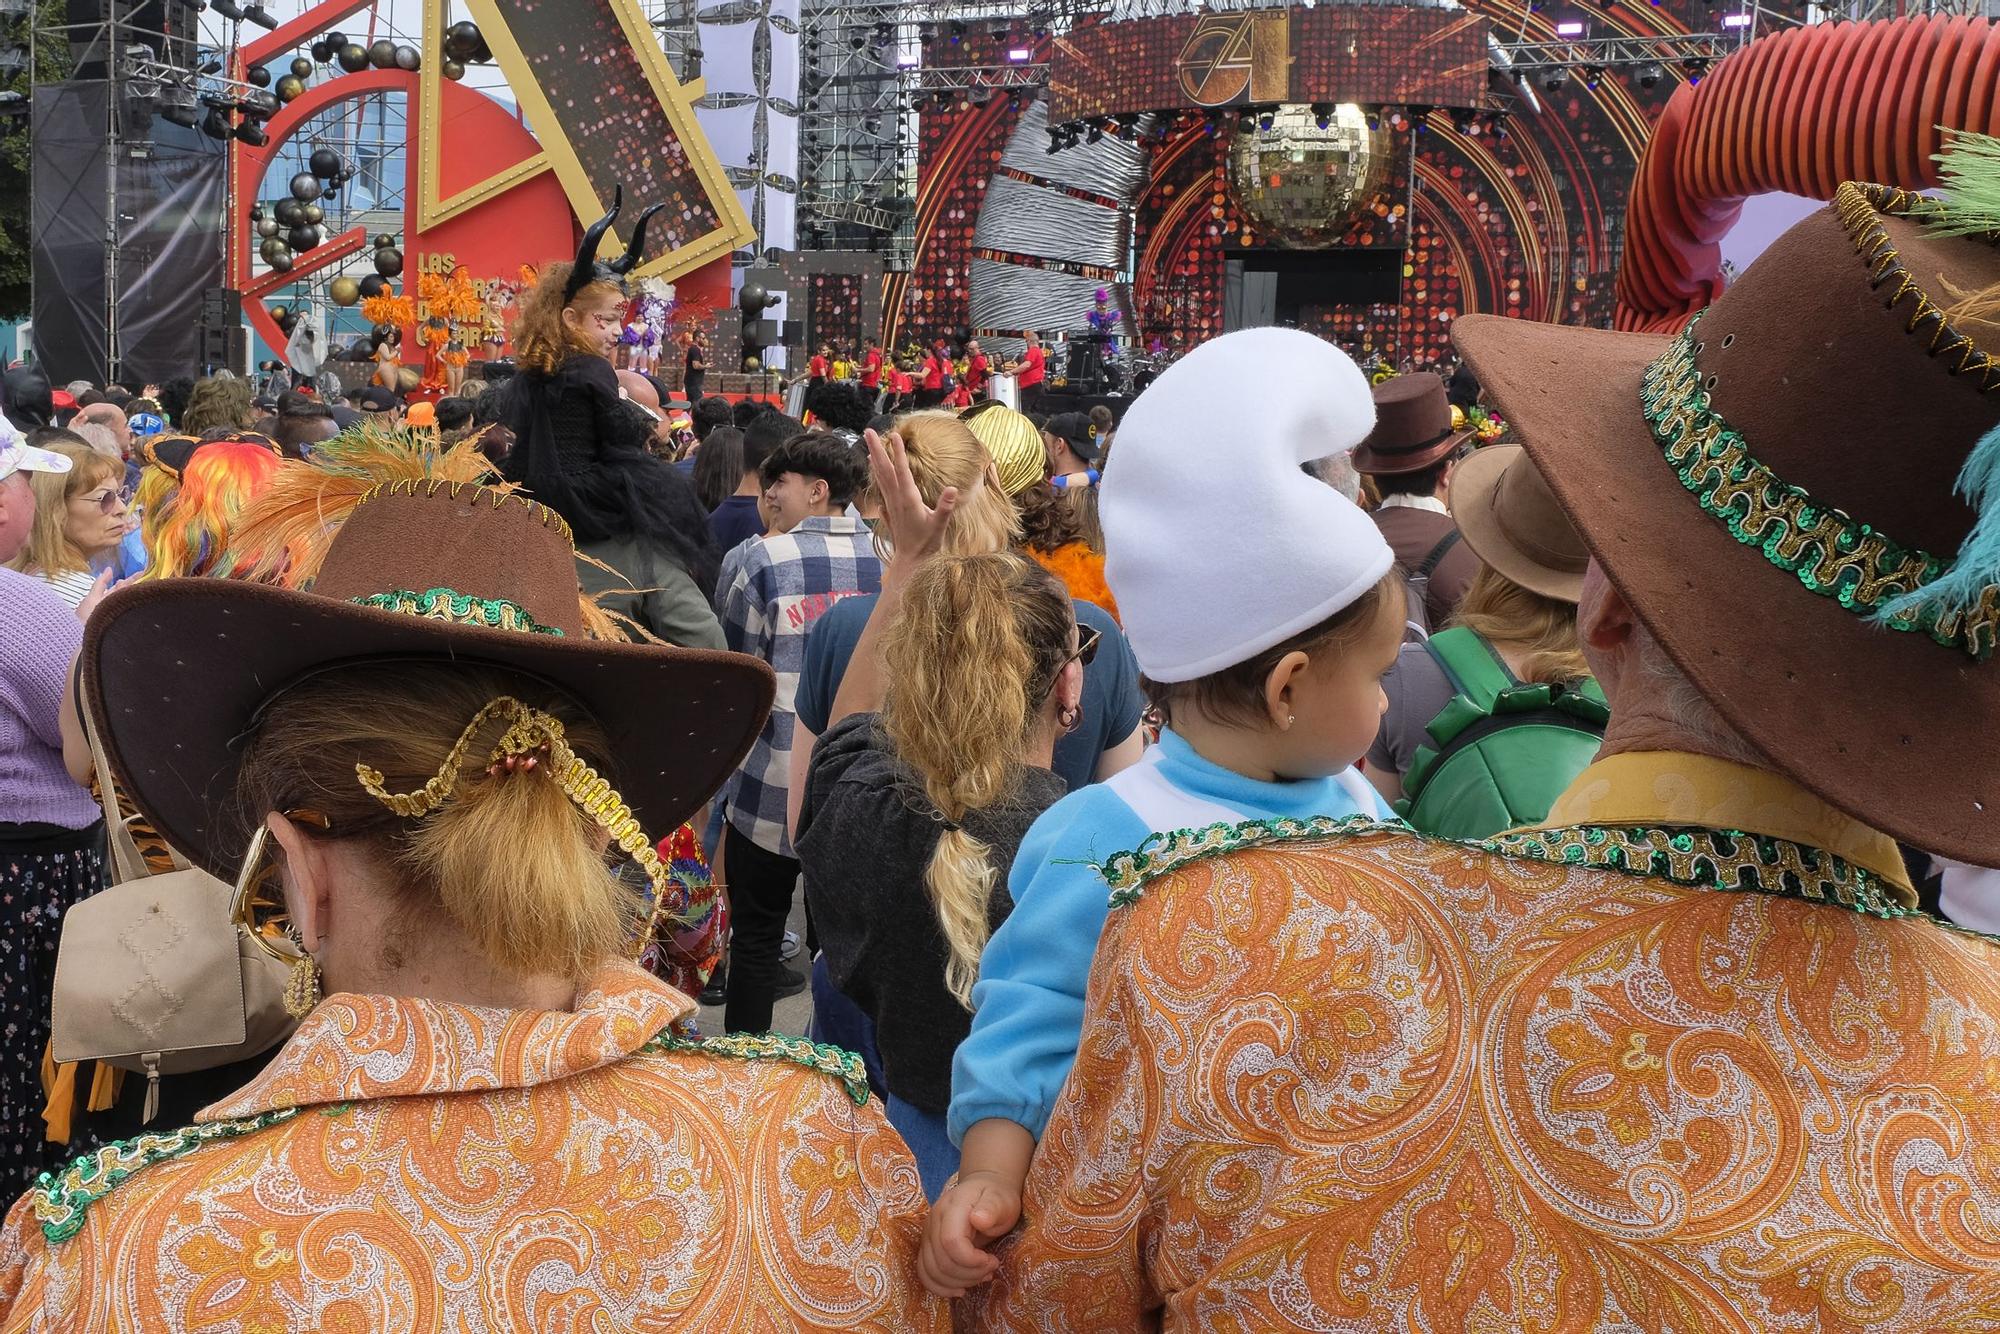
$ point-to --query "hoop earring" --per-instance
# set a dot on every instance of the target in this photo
(1071, 717)
(302, 986)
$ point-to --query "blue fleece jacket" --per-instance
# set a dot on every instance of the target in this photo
(1028, 1003)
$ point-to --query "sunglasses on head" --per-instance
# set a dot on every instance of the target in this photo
(1087, 639)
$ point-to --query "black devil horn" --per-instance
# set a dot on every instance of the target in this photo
(637, 250)
(585, 267)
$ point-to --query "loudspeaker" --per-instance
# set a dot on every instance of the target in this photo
(224, 340)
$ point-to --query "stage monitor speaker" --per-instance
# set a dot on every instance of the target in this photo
(794, 332)
(761, 333)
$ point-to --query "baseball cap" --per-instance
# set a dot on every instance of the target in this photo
(1075, 429)
(375, 398)
(146, 424)
(17, 455)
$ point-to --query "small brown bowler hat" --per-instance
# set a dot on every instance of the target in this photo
(1508, 517)
(178, 670)
(1412, 426)
(1770, 487)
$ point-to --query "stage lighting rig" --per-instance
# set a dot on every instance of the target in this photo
(1322, 113)
(251, 132)
(1554, 79)
(262, 17)
(1650, 75)
(228, 9)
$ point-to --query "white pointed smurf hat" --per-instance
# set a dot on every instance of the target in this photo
(1218, 545)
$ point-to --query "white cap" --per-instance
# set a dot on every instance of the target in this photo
(17, 455)
(1218, 545)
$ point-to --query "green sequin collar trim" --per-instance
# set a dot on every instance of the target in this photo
(842, 1064)
(1826, 549)
(1729, 861)
(61, 1199)
(447, 604)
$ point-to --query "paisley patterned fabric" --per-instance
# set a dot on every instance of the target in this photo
(1377, 1082)
(412, 1166)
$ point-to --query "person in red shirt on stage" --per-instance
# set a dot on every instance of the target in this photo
(937, 375)
(978, 371)
(902, 390)
(871, 368)
(1029, 371)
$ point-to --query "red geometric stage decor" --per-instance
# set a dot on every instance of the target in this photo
(1800, 111)
(486, 194)
(1371, 55)
(1522, 216)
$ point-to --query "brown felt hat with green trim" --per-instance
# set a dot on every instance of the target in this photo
(1801, 440)
(177, 670)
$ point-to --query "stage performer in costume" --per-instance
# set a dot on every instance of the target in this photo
(483, 1097)
(1688, 1055)
(582, 450)
(389, 360)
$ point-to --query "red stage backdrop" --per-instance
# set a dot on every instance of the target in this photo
(1371, 55)
(1526, 219)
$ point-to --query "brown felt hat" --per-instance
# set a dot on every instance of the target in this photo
(1511, 520)
(178, 670)
(1798, 444)
(1412, 426)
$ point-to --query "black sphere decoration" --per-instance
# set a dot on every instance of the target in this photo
(303, 237)
(301, 67)
(287, 324)
(289, 87)
(315, 215)
(408, 58)
(461, 40)
(331, 193)
(373, 285)
(385, 241)
(257, 211)
(382, 54)
(289, 212)
(482, 54)
(305, 187)
(270, 248)
(388, 263)
(324, 163)
(322, 50)
(353, 57)
(751, 298)
(257, 76)
(282, 261)
(268, 228)
(453, 70)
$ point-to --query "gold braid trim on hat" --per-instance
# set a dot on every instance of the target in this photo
(529, 734)
(1859, 208)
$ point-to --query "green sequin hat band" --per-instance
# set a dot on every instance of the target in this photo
(1828, 550)
(448, 604)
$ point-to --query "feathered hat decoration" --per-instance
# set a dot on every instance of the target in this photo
(588, 268)
(283, 535)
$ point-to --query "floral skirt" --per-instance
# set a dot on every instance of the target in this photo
(40, 877)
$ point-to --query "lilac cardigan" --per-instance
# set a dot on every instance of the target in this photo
(39, 638)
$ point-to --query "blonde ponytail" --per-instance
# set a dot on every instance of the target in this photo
(973, 654)
(501, 850)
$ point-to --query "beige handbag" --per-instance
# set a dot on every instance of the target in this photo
(153, 974)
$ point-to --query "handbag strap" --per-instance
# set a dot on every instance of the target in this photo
(126, 863)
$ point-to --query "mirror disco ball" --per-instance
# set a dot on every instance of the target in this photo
(1301, 184)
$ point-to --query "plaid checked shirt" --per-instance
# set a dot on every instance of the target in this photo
(771, 592)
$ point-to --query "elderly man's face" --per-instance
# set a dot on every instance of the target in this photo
(17, 513)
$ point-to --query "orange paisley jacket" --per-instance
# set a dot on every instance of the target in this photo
(405, 1165)
(1688, 1059)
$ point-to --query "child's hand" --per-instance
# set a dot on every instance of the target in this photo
(974, 1212)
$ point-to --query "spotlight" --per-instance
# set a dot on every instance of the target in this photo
(1570, 29)
(1591, 76)
(1650, 75)
(215, 124)
(1095, 134)
(262, 17)
(251, 132)
(228, 9)
(1322, 113)
(957, 32)
(1055, 139)
(1266, 118)
(1553, 80)
(1019, 54)
(1246, 121)
(211, 67)
(177, 108)
(1735, 20)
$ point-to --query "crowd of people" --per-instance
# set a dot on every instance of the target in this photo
(1342, 872)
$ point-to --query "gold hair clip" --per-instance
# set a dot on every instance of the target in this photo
(532, 736)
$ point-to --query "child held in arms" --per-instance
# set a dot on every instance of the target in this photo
(1264, 649)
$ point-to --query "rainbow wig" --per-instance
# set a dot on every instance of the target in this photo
(190, 537)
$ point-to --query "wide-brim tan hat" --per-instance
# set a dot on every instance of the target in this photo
(1761, 486)
(1510, 519)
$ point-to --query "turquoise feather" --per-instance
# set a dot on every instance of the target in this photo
(1978, 565)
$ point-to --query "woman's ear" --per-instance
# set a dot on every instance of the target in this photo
(308, 880)
(1280, 685)
(1069, 686)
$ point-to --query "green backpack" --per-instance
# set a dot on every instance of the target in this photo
(1504, 751)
